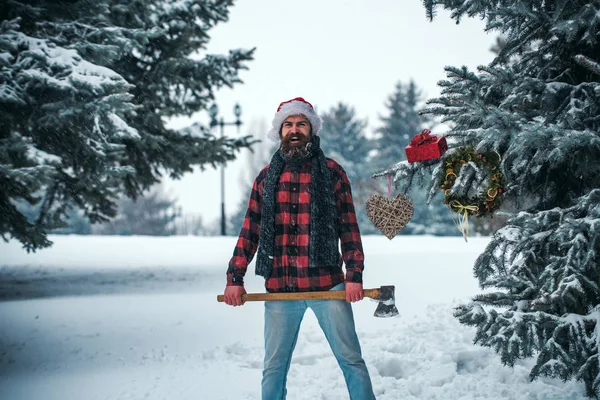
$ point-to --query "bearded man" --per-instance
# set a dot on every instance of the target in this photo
(300, 209)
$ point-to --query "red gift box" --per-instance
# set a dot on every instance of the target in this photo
(425, 146)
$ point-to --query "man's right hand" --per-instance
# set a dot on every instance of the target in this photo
(233, 295)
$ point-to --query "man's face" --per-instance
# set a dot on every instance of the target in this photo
(295, 135)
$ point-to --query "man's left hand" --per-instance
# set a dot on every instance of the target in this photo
(354, 292)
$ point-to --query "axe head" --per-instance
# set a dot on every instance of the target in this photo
(387, 303)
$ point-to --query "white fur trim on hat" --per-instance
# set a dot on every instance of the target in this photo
(294, 107)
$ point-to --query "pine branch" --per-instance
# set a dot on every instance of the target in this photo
(588, 63)
(430, 6)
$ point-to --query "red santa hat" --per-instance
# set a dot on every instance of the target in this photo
(297, 106)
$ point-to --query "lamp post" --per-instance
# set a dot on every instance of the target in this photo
(214, 121)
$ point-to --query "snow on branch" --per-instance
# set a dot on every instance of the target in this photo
(588, 63)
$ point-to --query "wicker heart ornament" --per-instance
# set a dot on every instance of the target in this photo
(390, 216)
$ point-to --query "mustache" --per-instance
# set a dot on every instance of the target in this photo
(301, 138)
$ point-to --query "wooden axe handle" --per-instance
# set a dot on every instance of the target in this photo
(327, 295)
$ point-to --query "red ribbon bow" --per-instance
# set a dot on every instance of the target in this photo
(423, 138)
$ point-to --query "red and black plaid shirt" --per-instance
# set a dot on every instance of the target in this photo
(292, 216)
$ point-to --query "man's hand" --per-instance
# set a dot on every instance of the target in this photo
(354, 292)
(233, 295)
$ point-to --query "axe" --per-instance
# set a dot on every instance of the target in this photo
(385, 295)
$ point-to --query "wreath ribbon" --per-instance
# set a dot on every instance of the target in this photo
(462, 219)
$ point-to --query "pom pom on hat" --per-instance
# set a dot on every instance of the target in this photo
(297, 106)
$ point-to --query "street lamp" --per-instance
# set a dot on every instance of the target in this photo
(213, 111)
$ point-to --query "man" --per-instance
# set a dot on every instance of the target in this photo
(300, 208)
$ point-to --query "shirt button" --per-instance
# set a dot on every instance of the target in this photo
(294, 189)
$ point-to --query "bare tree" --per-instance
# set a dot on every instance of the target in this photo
(256, 159)
(152, 214)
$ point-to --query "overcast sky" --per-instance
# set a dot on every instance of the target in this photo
(353, 51)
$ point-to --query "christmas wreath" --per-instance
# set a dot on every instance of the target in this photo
(485, 203)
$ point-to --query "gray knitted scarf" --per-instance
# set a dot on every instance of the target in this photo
(323, 242)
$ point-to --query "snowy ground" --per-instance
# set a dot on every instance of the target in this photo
(137, 318)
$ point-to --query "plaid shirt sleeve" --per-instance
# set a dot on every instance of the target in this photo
(352, 250)
(247, 243)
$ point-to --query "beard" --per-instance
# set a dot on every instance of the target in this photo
(294, 149)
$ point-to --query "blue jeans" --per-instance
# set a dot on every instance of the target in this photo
(282, 324)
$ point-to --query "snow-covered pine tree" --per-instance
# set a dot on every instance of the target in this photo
(174, 76)
(538, 105)
(400, 124)
(62, 130)
(85, 88)
(343, 139)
